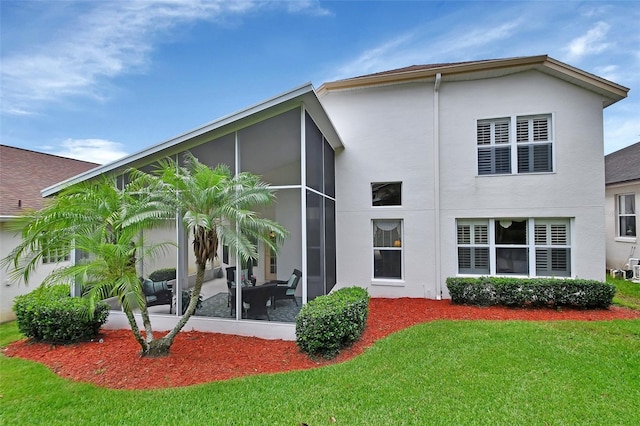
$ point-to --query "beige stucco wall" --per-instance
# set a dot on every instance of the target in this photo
(9, 287)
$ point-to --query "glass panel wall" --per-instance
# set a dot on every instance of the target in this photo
(320, 212)
(271, 149)
(315, 243)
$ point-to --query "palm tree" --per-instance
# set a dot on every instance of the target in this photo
(105, 224)
(215, 208)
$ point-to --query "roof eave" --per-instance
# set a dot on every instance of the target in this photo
(613, 92)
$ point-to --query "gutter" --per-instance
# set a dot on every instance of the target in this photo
(436, 182)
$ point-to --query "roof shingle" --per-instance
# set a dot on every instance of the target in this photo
(24, 173)
(622, 165)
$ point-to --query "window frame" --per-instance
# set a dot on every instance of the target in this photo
(392, 247)
(56, 256)
(533, 245)
(516, 145)
(619, 215)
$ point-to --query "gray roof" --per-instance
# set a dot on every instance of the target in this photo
(623, 165)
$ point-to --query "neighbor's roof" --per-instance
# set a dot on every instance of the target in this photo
(489, 68)
(24, 173)
(622, 165)
(303, 95)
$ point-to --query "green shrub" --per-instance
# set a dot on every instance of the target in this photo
(164, 274)
(332, 322)
(485, 291)
(50, 314)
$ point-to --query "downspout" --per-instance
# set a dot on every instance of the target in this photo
(436, 182)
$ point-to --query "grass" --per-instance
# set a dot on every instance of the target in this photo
(444, 372)
(627, 293)
(438, 373)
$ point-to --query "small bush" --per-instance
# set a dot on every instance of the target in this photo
(485, 291)
(164, 274)
(50, 314)
(332, 322)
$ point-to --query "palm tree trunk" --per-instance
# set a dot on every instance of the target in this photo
(161, 347)
(136, 332)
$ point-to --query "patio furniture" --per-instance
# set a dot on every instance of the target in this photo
(286, 289)
(156, 293)
(256, 300)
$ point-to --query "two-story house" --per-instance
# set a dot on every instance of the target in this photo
(397, 180)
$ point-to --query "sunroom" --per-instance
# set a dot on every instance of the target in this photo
(290, 142)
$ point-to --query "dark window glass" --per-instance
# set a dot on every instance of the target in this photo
(512, 261)
(387, 264)
(314, 151)
(510, 231)
(329, 170)
(386, 194)
(330, 244)
(315, 242)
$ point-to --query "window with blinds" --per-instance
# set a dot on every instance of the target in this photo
(473, 248)
(387, 249)
(626, 211)
(553, 251)
(526, 149)
(494, 152)
(529, 247)
(533, 136)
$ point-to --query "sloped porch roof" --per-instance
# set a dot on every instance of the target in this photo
(303, 95)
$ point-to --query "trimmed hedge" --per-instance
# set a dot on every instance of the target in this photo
(164, 274)
(50, 314)
(332, 322)
(486, 291)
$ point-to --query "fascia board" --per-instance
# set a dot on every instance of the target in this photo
(482, 69)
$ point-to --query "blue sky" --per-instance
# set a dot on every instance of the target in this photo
(97, 80)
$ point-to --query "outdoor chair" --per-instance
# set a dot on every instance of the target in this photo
(286, 289)
(256, 300)
(156, 293)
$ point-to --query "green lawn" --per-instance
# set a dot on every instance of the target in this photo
(627, 293)
(444, 372)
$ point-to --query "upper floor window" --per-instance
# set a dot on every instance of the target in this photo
(386, 194)
(627, 215)
(503, 150)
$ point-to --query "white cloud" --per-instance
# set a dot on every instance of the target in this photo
(418, 47)
(107, 40)
(309, 7)
(609, 72)
(620, 131)
(375, 59)
(93, 150)
(590, 43)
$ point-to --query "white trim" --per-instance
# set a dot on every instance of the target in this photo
(303, 202)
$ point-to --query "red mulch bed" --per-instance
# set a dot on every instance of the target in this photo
(198, 357)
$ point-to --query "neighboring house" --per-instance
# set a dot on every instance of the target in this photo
(622, 193)
(397, 180)
(23, 174)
